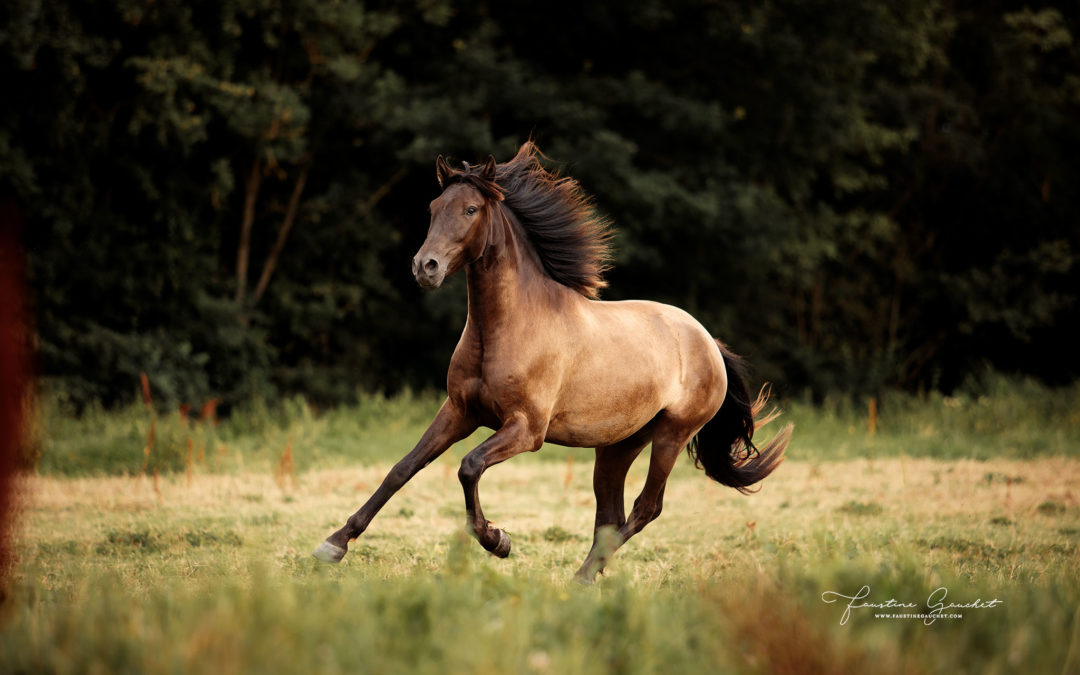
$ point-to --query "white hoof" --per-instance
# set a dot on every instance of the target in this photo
(502, 549)
(329, 553)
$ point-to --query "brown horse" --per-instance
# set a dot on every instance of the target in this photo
(541, 359)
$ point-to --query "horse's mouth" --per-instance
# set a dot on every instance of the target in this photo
(427, 283)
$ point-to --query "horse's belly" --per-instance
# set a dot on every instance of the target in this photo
(607, 418)
(590, 436)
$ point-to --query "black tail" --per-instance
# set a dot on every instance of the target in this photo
(724, 447)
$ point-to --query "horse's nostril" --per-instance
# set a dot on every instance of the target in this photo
(431, 266)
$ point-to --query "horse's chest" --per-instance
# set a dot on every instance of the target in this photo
(502, 373)
(497, 391)
(503, 393)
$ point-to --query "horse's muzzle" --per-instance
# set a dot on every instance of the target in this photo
(427, 270)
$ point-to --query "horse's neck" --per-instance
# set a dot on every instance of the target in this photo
(507, 274)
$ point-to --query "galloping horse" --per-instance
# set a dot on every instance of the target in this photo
(542, 359)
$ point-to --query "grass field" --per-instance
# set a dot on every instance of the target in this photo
(206, 566)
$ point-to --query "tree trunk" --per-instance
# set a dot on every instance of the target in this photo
(243, 249)
(283, 234)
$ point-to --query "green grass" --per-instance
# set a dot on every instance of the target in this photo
(206, 567)
(214, 573)
(1002, 417)
(469, 617)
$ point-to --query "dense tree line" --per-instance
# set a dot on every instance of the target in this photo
(857, 195)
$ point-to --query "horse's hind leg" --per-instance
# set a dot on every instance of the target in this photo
(515, 437)
(449, 426)
(649, 503)
(668, 442)
(609, 479)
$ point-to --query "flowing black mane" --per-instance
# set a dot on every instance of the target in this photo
(571, 239)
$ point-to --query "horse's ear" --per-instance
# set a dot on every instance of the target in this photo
(488, 172)
(442, 171)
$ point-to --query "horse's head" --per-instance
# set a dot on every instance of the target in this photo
(460, 219)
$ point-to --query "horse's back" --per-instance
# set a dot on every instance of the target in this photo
(678, 341)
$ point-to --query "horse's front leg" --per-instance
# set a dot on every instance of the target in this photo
(449, 426)
(515, 436)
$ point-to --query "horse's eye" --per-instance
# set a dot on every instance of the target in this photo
(470, 211)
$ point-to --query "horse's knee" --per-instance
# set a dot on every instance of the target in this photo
(398, 476)
(471, 468)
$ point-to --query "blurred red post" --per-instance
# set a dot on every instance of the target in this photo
(14, 367)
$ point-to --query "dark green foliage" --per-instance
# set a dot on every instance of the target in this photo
(119, 542)
(1052, 508)
(856, 195)
(198, 538)
(855, 508)
(557, 535)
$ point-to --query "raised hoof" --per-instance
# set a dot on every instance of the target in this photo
(502, 549)
(329, 553)
(584, 579)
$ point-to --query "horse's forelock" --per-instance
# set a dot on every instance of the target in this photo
(488, 188)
